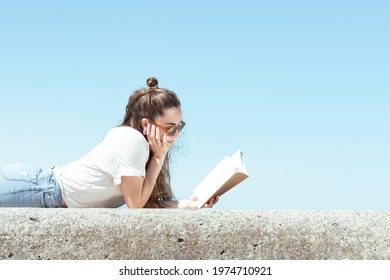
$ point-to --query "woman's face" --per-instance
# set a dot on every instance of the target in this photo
(171, 119)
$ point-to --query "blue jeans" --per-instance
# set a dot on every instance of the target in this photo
(22, 185)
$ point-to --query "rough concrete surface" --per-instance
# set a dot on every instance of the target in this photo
(83, 234)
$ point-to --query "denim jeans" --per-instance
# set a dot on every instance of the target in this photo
(23, 185)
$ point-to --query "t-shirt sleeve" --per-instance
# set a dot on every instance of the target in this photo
(130, 152)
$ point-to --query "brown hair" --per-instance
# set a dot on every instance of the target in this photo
(150, 103)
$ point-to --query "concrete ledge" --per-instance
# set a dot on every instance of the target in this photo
(201, 234)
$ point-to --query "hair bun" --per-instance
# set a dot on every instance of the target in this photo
(152, 82)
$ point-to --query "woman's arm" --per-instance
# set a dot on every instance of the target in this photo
(137, 190)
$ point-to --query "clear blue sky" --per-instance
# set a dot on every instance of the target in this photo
(302, 87)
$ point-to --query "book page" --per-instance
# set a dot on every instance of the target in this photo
(238, 162)
(215, 179)
(227, 173)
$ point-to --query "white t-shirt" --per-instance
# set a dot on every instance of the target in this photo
(94, 180)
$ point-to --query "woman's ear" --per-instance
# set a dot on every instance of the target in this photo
(144, 122)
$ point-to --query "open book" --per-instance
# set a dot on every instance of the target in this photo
(229, 172)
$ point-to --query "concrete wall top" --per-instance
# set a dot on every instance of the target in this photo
(27, 233)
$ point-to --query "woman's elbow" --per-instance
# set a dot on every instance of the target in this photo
(134, 204)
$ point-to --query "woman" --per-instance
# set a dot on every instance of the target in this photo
(129, 166)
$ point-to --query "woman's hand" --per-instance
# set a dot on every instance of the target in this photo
(193, 203)
(211, 202)
(208, 204)
(159, 143)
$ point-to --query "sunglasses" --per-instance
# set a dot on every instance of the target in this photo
(172, 130)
